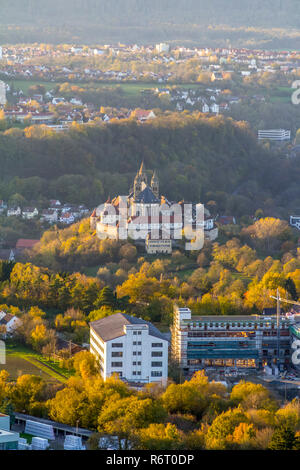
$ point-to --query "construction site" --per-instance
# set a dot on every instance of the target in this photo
(236, 345)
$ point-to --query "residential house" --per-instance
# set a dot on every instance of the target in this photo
(14, 211)
(25, 244)
(49, 215)
(215, 108)
(29, 213)
(226, 220)
(67, 218)
(143, 115)
(55, 204)
(9, 321)
(216, 76)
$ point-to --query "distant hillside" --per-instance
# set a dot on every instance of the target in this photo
(264, 13)
(144, 21)
(196, 158)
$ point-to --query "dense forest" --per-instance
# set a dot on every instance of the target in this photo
(193, 415)
(197, 158)
(141, 21)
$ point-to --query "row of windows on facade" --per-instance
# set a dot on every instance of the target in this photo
(120, 345)
(237, 325)
(120, 364)
(233, 334)
(136, 353)
(153, 373)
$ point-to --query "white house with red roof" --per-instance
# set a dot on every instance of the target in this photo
(9, 321)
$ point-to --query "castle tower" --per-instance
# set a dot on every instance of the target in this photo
(155, 185)
(140, 178)
(143, 174)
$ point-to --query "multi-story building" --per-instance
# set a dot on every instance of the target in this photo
(278, 135)
(158, 245)
(162, 48)
(130, 347)
(229, 341)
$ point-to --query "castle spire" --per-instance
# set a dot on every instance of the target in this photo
(155, 184)
(142, 169)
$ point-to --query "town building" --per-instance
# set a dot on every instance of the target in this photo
(295, 221)
(29, 213)
(25, 244)
(129, 347)
(49, 215)
(162, 48)
(229, 341)
(14, 211)
(158, 245)
(276, 135)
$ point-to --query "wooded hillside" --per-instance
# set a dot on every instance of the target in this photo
(142, 21)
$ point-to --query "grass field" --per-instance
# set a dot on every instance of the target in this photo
(281, 95)
(131, 89)
(21, 360)
(17, 366)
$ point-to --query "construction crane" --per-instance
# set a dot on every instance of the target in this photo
(278, 311)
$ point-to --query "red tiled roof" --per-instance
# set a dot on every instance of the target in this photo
(6, 319)
(26, 243)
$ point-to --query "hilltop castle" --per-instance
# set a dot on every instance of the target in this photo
(147, 211)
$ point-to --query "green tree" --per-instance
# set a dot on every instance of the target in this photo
(283, 439)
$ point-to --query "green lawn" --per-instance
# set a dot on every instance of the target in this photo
(132, 89)
(25, 84)
(281, 95)
(22, 360)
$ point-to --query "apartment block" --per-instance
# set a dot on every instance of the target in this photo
(130, 347)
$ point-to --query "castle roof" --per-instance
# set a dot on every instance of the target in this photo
(147, 197)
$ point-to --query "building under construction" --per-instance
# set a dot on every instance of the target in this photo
(251, 341)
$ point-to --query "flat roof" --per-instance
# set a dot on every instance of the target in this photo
(56, 425)
(233, 318)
